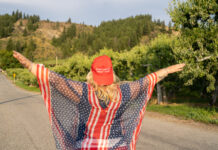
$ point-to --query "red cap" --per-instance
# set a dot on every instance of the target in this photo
(102, 70)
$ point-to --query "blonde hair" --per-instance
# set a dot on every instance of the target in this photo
(105, 92)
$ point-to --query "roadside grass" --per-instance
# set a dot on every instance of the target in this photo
(205, 114)
(26, 87)
(20, 84)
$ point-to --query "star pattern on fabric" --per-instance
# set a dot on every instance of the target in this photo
(80, 120)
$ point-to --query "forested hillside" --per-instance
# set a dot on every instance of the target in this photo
(38, 39)
(120, 35)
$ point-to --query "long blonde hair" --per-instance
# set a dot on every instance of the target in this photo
(105, 92)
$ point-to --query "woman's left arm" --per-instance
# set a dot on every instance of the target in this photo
(162, 73)
(70, 89)
(25, 62)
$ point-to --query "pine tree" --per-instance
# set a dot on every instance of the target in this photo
(146, 29)
(71, 31)
(69, 20)
(25, 33)
(21, 23)
(29, 50)
(18, 47)
(170, 28)
(162, 27)
(10, 45)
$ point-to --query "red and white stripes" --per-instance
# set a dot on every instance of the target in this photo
(42, 74)
(99, 123)
(152, 81)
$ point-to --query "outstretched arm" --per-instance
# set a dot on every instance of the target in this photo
(162, 73)
(150, 80)
(25, 62)
(60, 83)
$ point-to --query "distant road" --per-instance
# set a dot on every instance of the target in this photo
(24, 125)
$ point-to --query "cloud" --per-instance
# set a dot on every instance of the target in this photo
(87, 11)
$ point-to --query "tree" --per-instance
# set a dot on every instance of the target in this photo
(7, 60)
(25, 32)
(197, 46)
(10, 45)
(69, 20)
(29, 50)
(18, 47)
(162, 27)
(6, 25)
(71, 31)
(170, 28)
(32, 22)
(21, 23)
(160, 55)
(146, 28)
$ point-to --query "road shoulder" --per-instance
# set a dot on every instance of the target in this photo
(177, 120)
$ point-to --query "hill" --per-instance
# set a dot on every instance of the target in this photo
(40, 39)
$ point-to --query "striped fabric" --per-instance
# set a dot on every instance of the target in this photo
(152, 81)
(42, 78)
(81, 121)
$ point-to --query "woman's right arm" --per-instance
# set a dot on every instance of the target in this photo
(148, 82)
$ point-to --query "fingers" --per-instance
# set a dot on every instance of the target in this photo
(16, 54)
(19, 57)
(175, 68)
(181, 65)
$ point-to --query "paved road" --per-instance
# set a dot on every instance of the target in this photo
(24, 125)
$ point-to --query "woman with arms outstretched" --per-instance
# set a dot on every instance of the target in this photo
(99, 114)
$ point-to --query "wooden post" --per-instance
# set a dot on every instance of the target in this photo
(215, 94)
(164, 95)
(159, 94)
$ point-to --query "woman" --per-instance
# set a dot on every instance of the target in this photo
(100, 113)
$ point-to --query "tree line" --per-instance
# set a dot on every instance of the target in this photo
(120, 35)
(7, 22)
(27, 48)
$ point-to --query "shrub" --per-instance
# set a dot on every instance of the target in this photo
(23, 75)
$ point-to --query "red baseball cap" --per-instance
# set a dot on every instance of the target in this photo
(102, 70)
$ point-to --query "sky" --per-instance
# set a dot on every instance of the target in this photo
(90, 12)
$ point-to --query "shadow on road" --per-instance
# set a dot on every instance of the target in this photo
(17, 99)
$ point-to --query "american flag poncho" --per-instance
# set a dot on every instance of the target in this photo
(80, 121)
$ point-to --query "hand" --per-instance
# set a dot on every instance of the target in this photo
(175, 68)
(23, 60)
(162, 73)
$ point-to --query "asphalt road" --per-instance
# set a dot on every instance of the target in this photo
(24, 125)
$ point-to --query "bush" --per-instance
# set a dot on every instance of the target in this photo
(127, 65)
(23, 75)
(7, 60)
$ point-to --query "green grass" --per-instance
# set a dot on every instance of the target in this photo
(24, 86)
(187, 111)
